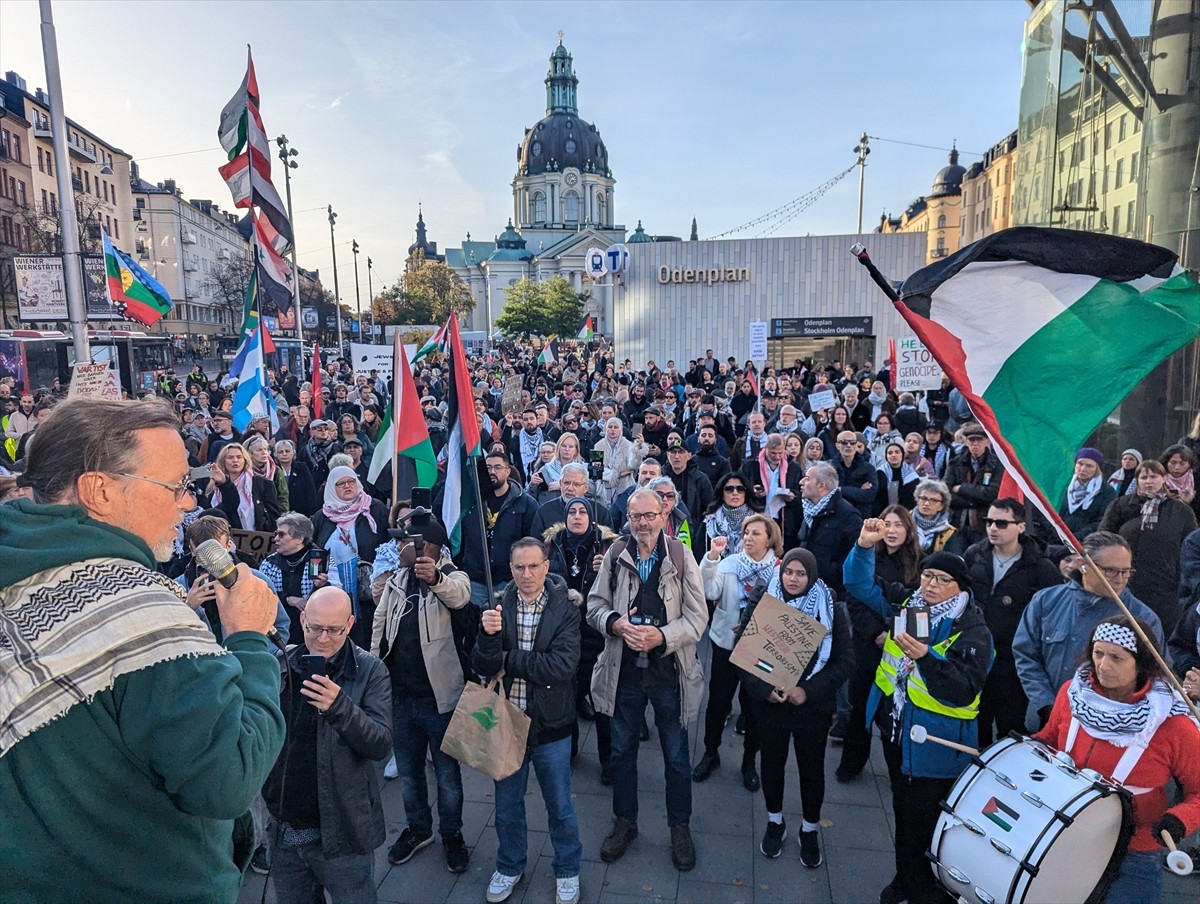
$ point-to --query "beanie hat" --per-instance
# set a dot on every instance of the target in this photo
(1135, 453)
(1093, 455)
(951, 564)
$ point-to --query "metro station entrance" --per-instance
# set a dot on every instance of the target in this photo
(821, 339)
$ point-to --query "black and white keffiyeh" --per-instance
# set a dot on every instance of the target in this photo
(816, 603)
(1080, 495)
(929, 528)
(1121, 724)
(812, 509)
(951, 609)
(749, 573)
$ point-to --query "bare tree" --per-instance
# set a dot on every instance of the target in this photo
(227, 284)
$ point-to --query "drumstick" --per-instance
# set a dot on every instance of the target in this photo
(1178, 861)
(920, 735)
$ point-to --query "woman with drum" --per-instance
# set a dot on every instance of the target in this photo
(934, 662)
(1120, 717)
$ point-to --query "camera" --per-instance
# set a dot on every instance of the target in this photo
(638, 618)
(596, 465)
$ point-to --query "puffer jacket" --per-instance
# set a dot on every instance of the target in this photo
(548, 669)
(352, 735)
(955, 679)
(687, 616)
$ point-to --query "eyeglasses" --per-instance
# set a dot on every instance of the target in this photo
(847, 442)
(181, 489)
(640, 518)
(317, 631)
(525, 569)
(283, 533)
(664, 495)
(1001, 523)
(735, 489)
(934, 578)
(929, 499)
(1115, 573)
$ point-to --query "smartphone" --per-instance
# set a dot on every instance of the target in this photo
(311, 665)
(913, 621)
(317, 562)
(598, 456)
(638, 429)
(422, 497)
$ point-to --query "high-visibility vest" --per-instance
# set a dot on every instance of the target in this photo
(918, 693)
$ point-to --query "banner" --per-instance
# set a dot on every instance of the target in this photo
(915, 367)
(42, 293)
(778, 643)
(364, 357)
(510, 400)
(94, 381)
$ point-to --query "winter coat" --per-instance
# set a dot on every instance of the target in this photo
(1086, 519)
(851, 478)
(367, 540)
(266, 505)
(1004, 604)
(548, 669)
(514, 521)
(907, 496)
(696, 494)
(302, 490)
(831, 537)
(620, 468)
(977, 489)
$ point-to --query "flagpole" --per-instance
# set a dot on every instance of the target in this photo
(487, 555)
(72, 256)
(860, 252)
(396, 387)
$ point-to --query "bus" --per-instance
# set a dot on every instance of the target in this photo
(33, 358)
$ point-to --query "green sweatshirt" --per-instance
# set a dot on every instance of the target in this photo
(134, 795)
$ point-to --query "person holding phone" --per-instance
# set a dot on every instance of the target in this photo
(323, 792)
(934, 682)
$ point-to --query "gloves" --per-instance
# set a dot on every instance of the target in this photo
(1174, 827)
(1044, 716)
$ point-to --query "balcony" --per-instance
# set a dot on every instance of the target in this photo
(191, 266)
(189, 238)
(80, 148)
(937, 253)
(41, 129)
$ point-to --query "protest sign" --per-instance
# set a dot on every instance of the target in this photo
(915, 367)
(777, 643)
(365, 357)
(253, 544)
(510, 401)
(821, 399)
(94, 381)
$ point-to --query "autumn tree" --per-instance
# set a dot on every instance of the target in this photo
(550, 308)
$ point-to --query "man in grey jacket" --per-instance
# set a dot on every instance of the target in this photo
(425, 652)
(1058, 623)
(328, 813)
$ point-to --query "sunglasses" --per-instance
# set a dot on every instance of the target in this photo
(735, 489)
(1002, 523)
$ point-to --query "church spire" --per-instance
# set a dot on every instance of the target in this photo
(695, 236)
(561, 82)
(420, 227)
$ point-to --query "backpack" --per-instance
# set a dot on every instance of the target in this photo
(675, 550)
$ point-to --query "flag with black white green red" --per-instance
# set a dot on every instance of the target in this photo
(404, 439)
(1097, 311)
(586, 331)
(137, 294)
(549, 354)
(233, 130)
(435, 343)
(458, 495)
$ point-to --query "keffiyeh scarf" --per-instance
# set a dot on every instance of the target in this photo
(1121, 724)
(951, 609)
(812, 509)
(749, 573)
(929, 528)
(1184, 487)
(727, 522)
(1080, 495)
(816, 603)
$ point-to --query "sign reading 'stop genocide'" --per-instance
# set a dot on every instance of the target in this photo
(915, 367)
(822, 326)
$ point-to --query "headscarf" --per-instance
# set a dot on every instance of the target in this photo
(1184, 487)
(805, 464)
(574, 541)
(816, 602)
(1121, 724)
(339, 511)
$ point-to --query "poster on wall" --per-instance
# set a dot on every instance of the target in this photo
(42, 292)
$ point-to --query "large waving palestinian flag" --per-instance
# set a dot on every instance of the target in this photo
(1001, 314)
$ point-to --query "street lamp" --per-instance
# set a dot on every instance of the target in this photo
(337, 297)
(371, 300)
(357, 296)
(286, 154)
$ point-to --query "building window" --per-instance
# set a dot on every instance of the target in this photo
(1131, 218)
(1119, 179)
(1108, 136)
(1133, 166)
(45, 202)
(1124, 127)
(16, 148)
(539, 207)
(41, 163)
(1116, 221)
(53, 203)
(20, 198)
(571, 207)
(941, 222)
(600, 212)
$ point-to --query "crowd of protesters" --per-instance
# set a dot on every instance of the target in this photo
(628, 512)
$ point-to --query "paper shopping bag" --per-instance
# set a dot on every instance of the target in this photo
(487, 732)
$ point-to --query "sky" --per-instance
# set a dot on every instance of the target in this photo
(718, 111)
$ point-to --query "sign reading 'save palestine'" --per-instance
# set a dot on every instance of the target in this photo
(822, 326)
(778, 643)
(915, 367)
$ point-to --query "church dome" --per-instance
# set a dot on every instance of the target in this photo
(949, 179)
(639, 236)
(562, 140)
(510, 246)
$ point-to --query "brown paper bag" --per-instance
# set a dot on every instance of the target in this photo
(487, 732)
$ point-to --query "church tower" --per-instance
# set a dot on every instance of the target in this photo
(563, 182)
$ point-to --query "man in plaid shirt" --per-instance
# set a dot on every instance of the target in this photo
(532, 637)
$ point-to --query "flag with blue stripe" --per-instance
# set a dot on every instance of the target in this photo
(253, 398)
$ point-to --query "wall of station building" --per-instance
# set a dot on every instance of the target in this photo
(679, 298)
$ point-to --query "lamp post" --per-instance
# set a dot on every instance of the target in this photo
(861, 149)
(357, 296)
(371, 300)
(337, 298)
(286, 154)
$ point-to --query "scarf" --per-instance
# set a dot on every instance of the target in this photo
(531, 446)
(340, 512)
(1121, 724)
(1150, 506)
(764, 472)
(897, 477)
(244, 483)
(267, 470)
(749, 573)
(572, 541)
(812, 509)
(726, 522)
(876, 400)
(1080, 495)
(929, 528)
(1123, 481)
(940, 457)
(816, 603)
(951, 609)
(1184, 487)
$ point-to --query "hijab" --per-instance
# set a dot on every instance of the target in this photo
(572, 541)
(338, 510)
(816, 602)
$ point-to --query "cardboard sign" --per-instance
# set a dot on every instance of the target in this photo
(253, 544)
(777, 643)
(825, 398)
(510, 401)
(94, 381)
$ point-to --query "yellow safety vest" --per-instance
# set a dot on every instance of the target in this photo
(918, 693)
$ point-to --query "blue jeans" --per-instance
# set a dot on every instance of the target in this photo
(479, 592)
(302, 875)
(416, 726)
(552, 763)
(672, 736)
(1140, 880)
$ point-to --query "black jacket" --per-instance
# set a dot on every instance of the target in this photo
(851, 478)
(368, 540)
(514, 521)
(548, 669)
(1004, 604)
(976, 489)
(792, 512)
(352, 735)
(711, 465)
(554, 510)
(266, 504)
(302, 490)
(696, 493)
(833, 532)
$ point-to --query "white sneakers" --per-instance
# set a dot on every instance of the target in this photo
(390, 770)
(501, 887)
(567, 891)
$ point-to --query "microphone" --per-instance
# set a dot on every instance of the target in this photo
(216, 560)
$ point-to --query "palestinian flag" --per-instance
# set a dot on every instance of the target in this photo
(233, 131)
(459, 494)
(1101, 311)
(404, 439)
(435, 343)
(549, 353)
(317, 375)
(137, 294)
(586, 331)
